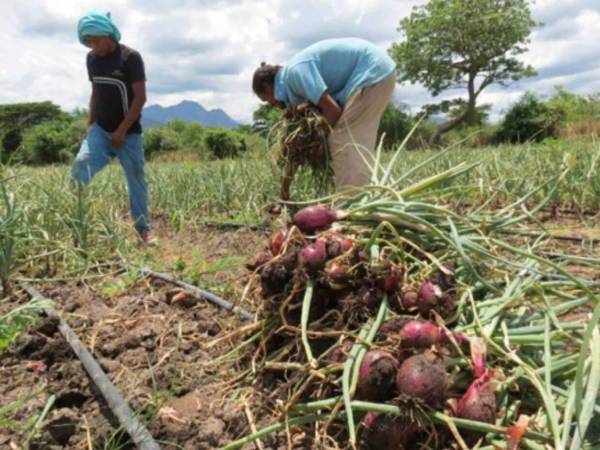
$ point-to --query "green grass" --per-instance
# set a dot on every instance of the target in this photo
(237, 188)
(17, 319)
(63, 233)
(61, 230)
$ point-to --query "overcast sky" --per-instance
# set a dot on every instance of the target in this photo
(207, 50)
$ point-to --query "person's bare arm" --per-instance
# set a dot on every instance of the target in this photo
(135, 110)
(288, 177)
(330, 109)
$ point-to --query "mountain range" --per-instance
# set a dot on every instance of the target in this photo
(189, 111)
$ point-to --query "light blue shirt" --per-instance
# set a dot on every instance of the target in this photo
(339, 66)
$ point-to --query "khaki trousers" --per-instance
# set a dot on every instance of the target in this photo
(353, 139)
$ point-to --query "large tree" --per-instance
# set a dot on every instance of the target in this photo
(15, 118)
(463, 44)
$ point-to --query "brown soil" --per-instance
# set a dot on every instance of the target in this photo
(156, 349)
(159, 350)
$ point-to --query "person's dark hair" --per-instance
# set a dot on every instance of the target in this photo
(264, 75)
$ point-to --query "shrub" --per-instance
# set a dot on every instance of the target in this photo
(530, 119)
(56, 141)
(224, 143)
(473, 136)
(161, 140)
(18, 117)
(396, 124)
(192, 136)
(422, 136)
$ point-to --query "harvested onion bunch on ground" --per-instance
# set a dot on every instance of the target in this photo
(389, 321)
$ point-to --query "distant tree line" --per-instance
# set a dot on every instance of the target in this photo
(462, 44)
(532, 118)
(40, 133)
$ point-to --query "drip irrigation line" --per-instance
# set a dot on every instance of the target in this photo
(552, 237)
(200, 293)
(115, 401)
(235, 226)
(576, 212)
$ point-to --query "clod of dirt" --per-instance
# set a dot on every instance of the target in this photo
(70, 373)
(114, 348)
(188, 406)
(208, 326)
(29, 344)
(109, 365)
(233, 417)
(72, 305)
(135, 357)
(176, 415)
(212, 430)
(41, 348)
(131, 340)
(188, 346)
(55, 351)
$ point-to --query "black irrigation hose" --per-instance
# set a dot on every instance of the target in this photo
(138, 432)
(576, 212)
(235, 226)
(200, 293)
(590, 241)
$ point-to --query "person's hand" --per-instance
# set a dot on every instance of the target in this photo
(330, 108)
(325, 126)
(117, 139)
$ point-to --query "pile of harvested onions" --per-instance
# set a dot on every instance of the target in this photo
(390, 321)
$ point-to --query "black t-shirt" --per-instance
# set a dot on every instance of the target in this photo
(112, 77)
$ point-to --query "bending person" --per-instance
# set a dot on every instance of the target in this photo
(351, 82)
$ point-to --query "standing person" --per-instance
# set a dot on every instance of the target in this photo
(118, 96)
(351, 82)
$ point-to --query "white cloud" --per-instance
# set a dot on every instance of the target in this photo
(206, 50)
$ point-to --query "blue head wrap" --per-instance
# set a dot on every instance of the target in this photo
(97, 24)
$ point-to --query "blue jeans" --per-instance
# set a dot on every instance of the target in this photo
(96, 152)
